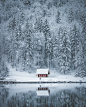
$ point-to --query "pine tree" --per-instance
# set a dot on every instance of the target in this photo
(55, 42)
(29, 46)
(48, 43)
(64, 50)
(58, 17)
(71, 15)
(74, 46)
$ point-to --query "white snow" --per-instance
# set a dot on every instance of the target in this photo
(42, 71)
(17, 76)
(31, 77)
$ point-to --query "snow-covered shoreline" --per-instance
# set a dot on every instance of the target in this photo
(54, 77)
(31, 78)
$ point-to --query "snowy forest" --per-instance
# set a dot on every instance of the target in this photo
(43, 34)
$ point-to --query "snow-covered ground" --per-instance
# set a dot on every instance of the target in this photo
(31, 77)
(17, 76)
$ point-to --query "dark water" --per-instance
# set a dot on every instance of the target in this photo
(49, 95)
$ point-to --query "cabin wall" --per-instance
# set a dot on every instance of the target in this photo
(42, 75)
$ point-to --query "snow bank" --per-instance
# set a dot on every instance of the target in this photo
(17, 76)
(26, 77)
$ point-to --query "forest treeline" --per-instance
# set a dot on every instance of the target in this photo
(43, 34)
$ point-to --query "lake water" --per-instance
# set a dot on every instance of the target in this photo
(43, 95)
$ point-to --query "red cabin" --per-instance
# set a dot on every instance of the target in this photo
(42, 72)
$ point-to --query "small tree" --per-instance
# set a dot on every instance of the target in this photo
(58, 19)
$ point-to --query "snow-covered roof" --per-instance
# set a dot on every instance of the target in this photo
(42, 93)
(42, 71)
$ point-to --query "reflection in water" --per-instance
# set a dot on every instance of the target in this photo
(43, 91)
(60, 95)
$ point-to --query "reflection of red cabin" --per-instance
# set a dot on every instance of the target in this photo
(42, 88)
(43, 91)
(42, 72)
